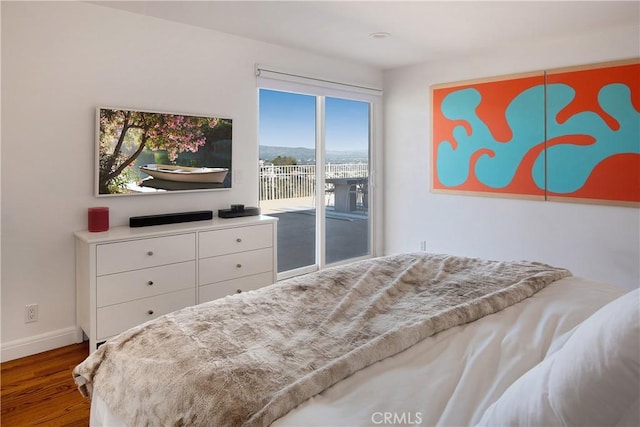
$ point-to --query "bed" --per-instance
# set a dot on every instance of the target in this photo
(564, 351)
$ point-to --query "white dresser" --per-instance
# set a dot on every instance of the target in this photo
(126, 276)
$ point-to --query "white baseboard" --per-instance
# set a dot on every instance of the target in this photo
(38, 343)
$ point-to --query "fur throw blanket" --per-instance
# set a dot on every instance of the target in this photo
(250, 358)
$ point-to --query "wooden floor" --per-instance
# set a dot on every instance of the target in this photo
(39, 389)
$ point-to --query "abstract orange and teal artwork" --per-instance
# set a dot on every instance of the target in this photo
(570, 134)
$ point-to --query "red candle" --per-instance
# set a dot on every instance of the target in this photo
(98, 218)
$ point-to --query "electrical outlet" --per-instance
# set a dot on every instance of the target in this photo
(30, 313)
(423, 245)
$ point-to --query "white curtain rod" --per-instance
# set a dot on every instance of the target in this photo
(260, 70)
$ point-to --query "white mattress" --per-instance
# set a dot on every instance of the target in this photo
(452, 377)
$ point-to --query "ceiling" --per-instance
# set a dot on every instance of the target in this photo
(420, 31)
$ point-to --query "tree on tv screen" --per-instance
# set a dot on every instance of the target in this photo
(124, 135)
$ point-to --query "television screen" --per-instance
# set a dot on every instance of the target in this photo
(142, 152)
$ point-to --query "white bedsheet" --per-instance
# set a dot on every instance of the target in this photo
(452, 377)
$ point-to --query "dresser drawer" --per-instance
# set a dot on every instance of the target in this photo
(136, 284)
(144, 253)
(226, 267)
(228, 287)
(232, 240)
(117, 318)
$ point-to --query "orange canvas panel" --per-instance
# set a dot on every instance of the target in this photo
(600, 103)
(487, 136)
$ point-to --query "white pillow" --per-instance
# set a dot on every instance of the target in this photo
(592, 380)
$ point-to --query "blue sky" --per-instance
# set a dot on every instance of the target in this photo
(288, 120)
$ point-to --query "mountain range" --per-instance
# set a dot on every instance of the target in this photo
(307, 155)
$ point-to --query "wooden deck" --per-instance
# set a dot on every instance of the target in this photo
(347, 234)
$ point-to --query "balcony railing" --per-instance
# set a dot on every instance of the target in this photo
(295, 181)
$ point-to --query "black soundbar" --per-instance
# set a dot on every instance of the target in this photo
(171, 218)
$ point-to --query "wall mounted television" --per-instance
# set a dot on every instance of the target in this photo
(148, 152)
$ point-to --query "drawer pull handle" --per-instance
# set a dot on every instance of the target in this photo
(238, 240)
(150, 253)
(150, 282)
(150, 312)
(239, 265)
(238, 291)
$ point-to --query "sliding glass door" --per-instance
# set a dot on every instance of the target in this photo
(314, 176)
(346, 177)
(288, 173)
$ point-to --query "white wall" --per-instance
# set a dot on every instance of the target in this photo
(598, 242)
(60, 60)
